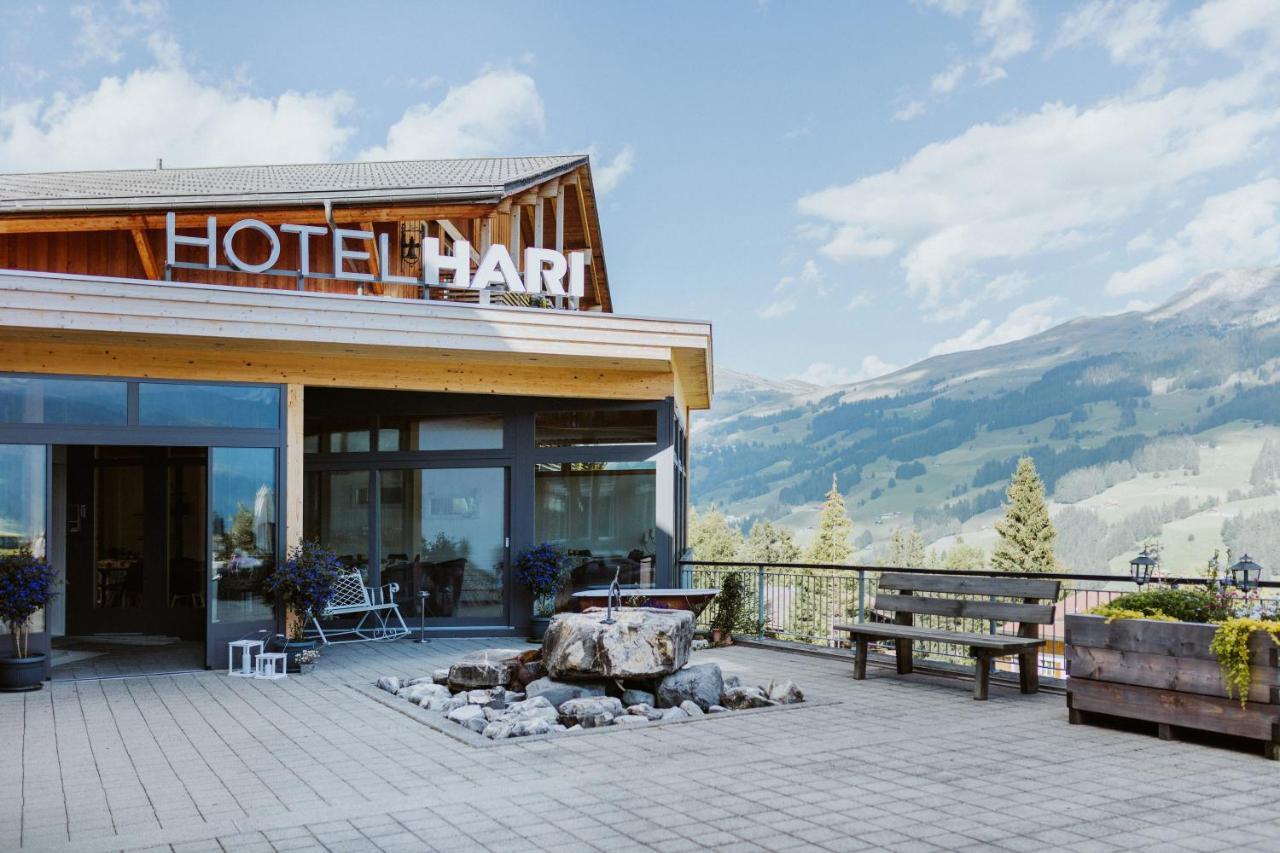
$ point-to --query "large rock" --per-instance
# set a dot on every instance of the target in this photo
(592, 712)
(559, 692)
(785, 693)
(742, 698)
(642, 642)
(485, 668)
(700, 683)
(637, 697)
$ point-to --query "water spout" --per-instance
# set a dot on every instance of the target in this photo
(615, 589)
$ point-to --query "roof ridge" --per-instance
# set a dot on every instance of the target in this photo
(295, 165)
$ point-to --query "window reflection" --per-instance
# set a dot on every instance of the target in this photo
(244, 532)
(604, 515)
(187, 405)
(22, 505)
(444, 534)
(596, 427)
(441, 432)
(337, 514)
(36, 400)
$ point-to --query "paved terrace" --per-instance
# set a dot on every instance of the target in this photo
(204, 762)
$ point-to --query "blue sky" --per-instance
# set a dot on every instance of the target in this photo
(840, 187)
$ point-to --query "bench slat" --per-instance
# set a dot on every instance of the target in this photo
(1011, 587)
(999, 642)
(962, 608)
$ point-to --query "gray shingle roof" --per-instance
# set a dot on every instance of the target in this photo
(487, 179)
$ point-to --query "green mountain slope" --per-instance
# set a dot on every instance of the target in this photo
(1115, 410)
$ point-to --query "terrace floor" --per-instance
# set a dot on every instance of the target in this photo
(205, 762)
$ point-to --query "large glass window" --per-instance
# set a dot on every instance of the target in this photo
(444, 534)
(596, 427)
(337, 514)
(604, 515)
(186, 405)
(244, 532)
(22, 504)
(441, 432)
(41, 400)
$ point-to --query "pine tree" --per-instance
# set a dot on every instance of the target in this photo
(712, 537)
(769, 543)
(835, 529)
(962, 556)
(1026, 533)
(906, 550)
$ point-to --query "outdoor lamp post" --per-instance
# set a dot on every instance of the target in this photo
(1140, 567)
(1245, 574)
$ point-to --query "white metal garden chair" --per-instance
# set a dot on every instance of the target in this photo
(352, 597)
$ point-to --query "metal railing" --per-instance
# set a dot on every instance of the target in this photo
(803, 602)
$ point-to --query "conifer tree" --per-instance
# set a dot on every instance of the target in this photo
(906, 550)
(712, 537)
(835, 530)
(1026, 533)
(769, 543)
(962, 556)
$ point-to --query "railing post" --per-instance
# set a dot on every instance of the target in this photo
(862, 593)
(760, 601)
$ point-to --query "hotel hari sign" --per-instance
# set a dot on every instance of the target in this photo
(545, 270)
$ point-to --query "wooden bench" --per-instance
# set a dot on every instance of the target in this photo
(1029, 613)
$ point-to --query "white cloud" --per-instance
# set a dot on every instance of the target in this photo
(1006, 29)
(861, 299)
(1022, 322)
(1005, 286)
(608, 176)
(1231, 229)
(1043, 181)
(498, 112)
(1225, 24)
(914, 109)
(103, 32)
(164, 111)
(825, 373)
(787, 300)
(945, 82)
(1131, 31)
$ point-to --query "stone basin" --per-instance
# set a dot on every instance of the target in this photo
(695, 600)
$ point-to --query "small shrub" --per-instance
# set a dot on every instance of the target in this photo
(1196, 604)
(731, 605)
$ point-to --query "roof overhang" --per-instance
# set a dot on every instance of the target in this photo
(120, 326)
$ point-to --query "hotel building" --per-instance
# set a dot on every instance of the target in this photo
(417, 363)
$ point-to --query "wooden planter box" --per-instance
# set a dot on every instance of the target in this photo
(1164, 673)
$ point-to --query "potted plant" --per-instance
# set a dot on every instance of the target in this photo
(1205, 658)
(731, 609)
(541, 569)
(26, 585)
(303, 584)
(306, 660)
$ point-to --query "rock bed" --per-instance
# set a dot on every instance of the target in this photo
(506, 693)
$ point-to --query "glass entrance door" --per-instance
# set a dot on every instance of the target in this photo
(444, 540)
(243, 518)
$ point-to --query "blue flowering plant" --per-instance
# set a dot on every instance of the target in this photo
(26, 585)
(303, 584)
(542, 569)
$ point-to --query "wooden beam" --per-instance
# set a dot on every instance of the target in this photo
(454, 234)
(148, 258)
(586, 234)
(293, 450)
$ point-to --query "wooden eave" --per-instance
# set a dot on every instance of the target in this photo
(337, 339)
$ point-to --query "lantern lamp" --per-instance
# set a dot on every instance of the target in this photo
(1245, 574)
(411, 242)
(1140, 567)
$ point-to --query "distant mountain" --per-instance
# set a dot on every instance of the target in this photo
(931, 446)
